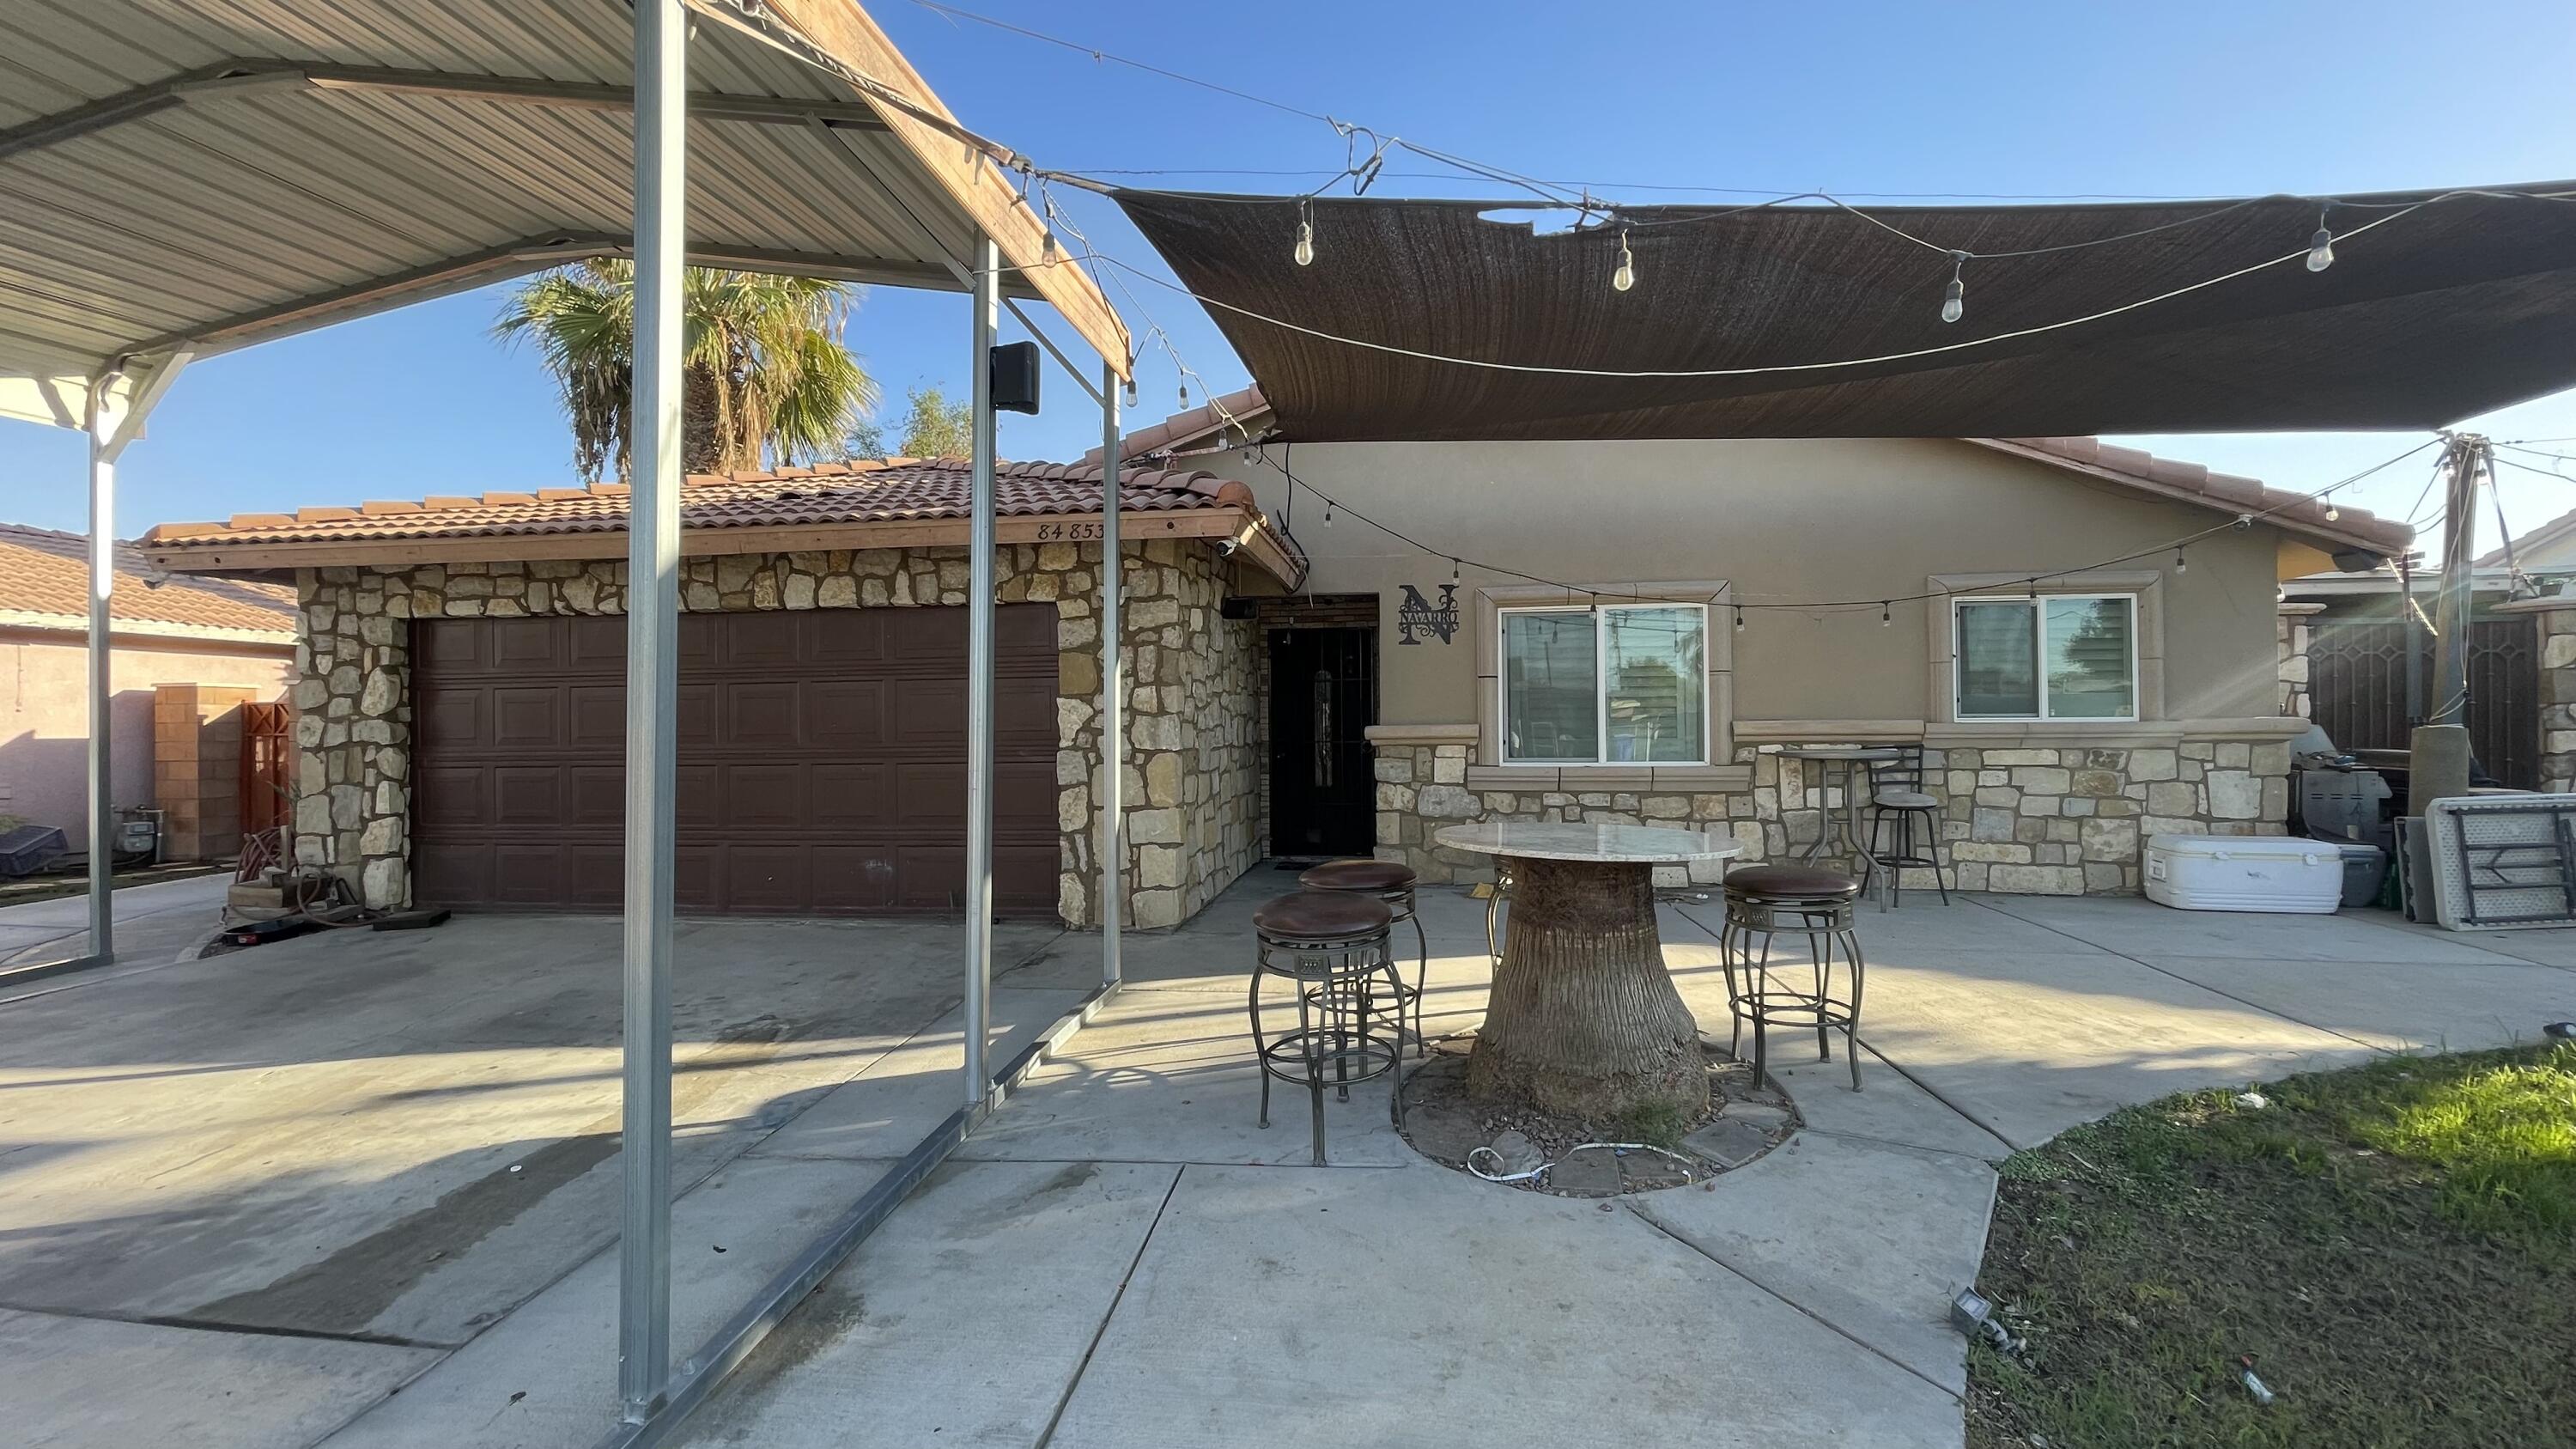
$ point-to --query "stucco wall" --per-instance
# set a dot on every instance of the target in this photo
(1772, 521)
(1799, 519)
(44, 716)
(1192, 822)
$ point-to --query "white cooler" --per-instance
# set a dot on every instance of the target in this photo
(2277, 873)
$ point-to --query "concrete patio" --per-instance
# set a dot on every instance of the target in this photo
(355, 1189)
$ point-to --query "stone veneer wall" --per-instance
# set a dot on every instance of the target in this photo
(2555, 618)
(2294, 632)
(1192, 818)
(2023, 817)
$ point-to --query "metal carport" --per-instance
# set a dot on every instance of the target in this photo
(178, 178)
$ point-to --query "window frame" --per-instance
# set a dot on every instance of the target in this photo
(2039, 654)
(1600, 613)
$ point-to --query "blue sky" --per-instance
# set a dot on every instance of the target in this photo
(2172, 100)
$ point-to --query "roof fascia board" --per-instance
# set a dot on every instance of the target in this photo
(2341, 538)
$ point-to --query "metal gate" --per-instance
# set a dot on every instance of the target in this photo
(2357, 688)
(266, 749)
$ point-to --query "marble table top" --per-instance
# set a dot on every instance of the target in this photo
(1840, 752)
(1543, 840)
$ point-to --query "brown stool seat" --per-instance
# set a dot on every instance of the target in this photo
(1791, 882)
(1357, 875)
(1321, 915)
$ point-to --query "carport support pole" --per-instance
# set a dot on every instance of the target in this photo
(102, 584)
(979, 681)
(1113, 695)
(652, 704)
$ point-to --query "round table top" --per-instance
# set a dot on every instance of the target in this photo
(1545, 840)
(1841, 752)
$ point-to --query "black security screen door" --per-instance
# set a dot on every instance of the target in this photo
(1323, 783)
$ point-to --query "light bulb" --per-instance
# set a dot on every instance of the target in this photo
(1626, 277)
(1954, 297)
(2180, 563)
(2333, 512)
(1305, 243)
(1453, 571)
(1739, 618)
(1885, 618)
(1185, 397)
(2321, 248)
(1328, 515)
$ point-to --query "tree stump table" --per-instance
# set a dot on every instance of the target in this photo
(1584, 1021)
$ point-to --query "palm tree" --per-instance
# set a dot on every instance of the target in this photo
(764, 373)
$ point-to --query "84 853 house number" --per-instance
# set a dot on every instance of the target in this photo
(1068, 532)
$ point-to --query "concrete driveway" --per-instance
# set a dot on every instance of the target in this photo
(257, 1194)
(154, 923)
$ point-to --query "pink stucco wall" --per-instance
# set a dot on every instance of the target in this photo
(44, 715)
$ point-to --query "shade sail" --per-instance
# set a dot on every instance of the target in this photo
(2435, 314)
(204, 176)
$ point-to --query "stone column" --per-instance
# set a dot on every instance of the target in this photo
(353, 732)
(2555, 618)
(2292, 637)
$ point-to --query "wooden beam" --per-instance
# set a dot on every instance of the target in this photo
(847, 36)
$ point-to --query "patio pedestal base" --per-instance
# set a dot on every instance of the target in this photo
(1584, 1020)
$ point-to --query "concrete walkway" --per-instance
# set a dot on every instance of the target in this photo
(1120, 1258)
(154, 923)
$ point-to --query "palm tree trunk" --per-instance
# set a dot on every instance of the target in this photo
(702, 439)
(1583, 1020)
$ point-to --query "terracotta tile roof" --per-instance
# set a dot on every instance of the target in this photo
(859, 491)
(44, 583)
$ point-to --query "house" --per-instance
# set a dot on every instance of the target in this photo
(188, 652)
(1303, 682)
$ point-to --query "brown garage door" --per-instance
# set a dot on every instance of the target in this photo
(821, 761)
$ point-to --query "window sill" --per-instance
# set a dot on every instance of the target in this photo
(1622, 779)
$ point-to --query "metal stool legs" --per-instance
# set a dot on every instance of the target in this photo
(1350, 1021)
(1904, 850)
(1756, 996)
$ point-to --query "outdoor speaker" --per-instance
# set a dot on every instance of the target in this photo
(1015, 377)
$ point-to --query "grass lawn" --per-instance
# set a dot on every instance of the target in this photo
(2394, 1244)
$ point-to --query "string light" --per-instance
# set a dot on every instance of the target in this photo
(1739, 618)
(1626, 277)
(2180, 563)
(2321, 246)
(1305, 232)
(1885, 616)
(1954, 297)
(1453, 571)
(2334, 510)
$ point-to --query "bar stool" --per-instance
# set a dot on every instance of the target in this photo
(1332, 947)
(1392, 882)
(1766, 901)
(1898, 807)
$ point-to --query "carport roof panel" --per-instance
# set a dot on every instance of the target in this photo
(182, 175)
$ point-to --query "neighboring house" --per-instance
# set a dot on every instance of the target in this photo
(1301, 685)
(2359, 639)
(207, 644)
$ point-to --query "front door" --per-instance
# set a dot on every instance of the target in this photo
(1323, 698)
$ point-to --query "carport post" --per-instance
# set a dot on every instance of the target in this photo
(652, 704)
(102, 583)
(979, 680)
(1113, 695)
